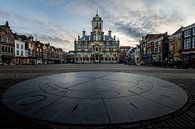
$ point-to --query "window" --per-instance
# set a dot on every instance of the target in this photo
(17, 53)
(187, 43)
(21, 46)
(156, 44)
(96, 49)
(99, 37)
(155, 49)
(159, 42)
(9, 49)
(96, 57)
(194, 31)
(159, 49)
(21, 53)
(187, 33)
(3, 49)
(17, 46)
(193, 42)
(12, 50)
(96, 37)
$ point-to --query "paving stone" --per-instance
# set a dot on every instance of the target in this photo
(95, 98)
(182, 77)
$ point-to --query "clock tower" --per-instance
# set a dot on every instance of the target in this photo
(97, 47)
(97, 28)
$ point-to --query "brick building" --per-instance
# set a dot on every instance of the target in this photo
(154, 48)
(123, 53)
(7, 41)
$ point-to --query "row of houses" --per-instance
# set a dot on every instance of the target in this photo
(162, 49)
(22, 49)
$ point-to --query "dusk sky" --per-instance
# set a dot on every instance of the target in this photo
(60, 21)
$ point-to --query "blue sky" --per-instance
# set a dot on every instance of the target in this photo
(60, 21)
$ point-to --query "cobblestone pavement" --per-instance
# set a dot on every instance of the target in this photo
(182, 119)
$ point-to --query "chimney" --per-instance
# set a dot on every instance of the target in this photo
(84, 33)
(7, 24)
(109, 32)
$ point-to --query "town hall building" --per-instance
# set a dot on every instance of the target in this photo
(96, 47)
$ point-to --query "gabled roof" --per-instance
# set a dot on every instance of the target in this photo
(153, 36)
(178, 31)
(3, 28)
(189, 26)
(22, 37)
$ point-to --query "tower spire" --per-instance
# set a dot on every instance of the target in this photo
(97, 12)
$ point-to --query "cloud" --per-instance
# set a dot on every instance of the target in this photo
(4, 14)
(130, 29)
(51, 39)
(129, 19)
(41, 27)
(144, 22)
(132, 18)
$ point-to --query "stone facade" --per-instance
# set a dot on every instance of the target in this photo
(97, 47)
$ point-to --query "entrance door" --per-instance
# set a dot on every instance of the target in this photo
(97, 58)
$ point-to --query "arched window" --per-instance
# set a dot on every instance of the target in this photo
(96, 49)
(96, 36)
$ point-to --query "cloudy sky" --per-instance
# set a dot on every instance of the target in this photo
(61, 21)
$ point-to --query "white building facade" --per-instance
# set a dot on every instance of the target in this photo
(21, 53)
(96, 47)
(20, 48)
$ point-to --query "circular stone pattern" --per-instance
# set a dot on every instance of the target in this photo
(95, 98)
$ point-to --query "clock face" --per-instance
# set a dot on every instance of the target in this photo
(95, 98)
